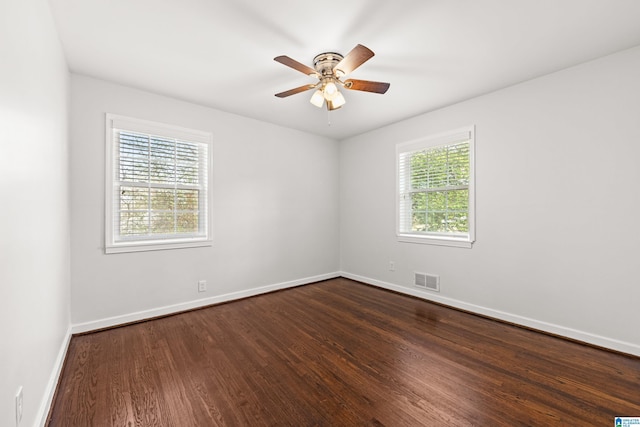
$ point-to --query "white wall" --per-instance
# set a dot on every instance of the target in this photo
(557, 205)
(275, 211)
(34, 213)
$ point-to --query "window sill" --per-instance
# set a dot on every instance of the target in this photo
(154, 246)
(461, 242)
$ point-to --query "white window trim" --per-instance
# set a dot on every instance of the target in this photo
(149, 127)
(434, 141)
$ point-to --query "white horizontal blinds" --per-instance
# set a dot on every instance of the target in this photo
(434, 187)
(160, 187)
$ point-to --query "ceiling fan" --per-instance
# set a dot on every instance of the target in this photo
(329, 68)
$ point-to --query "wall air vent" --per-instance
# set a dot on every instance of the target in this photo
(427, 281)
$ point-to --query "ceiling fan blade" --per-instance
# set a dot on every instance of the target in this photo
(366, 85)
(358, 56)
(285, 60)
(294, 91)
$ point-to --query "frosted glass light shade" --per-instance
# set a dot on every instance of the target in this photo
(330, 91)
(317, 98)
(338, 100)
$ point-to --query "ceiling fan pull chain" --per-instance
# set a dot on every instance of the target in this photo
(328, 117)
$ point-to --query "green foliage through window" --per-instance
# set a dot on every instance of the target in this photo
(435, 190)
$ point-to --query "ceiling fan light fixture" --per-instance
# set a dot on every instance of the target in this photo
(338, 101)
(317, 98)
(330, 91)
(330, 106)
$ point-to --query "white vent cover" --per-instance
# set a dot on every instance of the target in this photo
(427, 281)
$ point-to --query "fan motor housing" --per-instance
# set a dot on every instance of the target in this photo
(325, 62)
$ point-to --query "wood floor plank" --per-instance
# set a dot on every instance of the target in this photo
(339, 353)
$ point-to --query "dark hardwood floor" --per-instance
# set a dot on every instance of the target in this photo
(339, 353)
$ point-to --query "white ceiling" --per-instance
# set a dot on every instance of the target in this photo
(433, 52)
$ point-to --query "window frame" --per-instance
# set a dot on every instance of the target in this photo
(432, 141)
(113, 123)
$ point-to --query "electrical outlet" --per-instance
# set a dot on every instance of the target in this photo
(19, 406)
(392, 266)
(202, 285)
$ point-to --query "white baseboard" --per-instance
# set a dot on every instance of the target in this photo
(586, 337)
(52, 384)
(190, 305)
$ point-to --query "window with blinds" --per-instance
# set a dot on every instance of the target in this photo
(157, 186)
(436, 189)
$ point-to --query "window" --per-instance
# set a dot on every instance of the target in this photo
(435, 202)
(157, 186)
